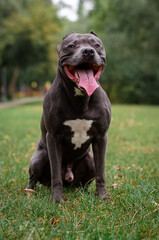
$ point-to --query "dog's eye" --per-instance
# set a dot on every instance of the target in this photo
(71, 46)
(97, 45)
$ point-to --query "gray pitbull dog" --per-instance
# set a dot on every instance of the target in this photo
(76, 115)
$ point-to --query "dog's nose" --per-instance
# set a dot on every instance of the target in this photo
(88, 52)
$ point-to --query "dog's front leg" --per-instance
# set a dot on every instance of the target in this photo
(99, 150)
(55, 158)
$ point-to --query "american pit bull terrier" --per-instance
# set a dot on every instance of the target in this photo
(76, 115)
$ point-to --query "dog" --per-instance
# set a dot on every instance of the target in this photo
(76, 115)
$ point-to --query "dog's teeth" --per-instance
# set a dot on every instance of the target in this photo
(76, 74)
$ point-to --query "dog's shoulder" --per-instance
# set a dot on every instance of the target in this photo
(100, 97)
(102, 105)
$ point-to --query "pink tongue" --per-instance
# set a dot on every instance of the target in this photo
(87, 80)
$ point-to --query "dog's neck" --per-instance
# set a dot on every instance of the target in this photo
(80, 102)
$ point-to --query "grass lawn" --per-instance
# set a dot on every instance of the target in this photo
(132, 165)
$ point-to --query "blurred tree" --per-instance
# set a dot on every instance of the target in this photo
(130, 32)
(29, 36)
(82, 23)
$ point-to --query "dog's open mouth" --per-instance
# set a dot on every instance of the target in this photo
(85, 75)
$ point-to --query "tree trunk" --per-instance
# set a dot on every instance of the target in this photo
(11, 88)
(4, 84)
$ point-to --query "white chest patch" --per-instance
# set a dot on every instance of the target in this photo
(78, 92)
(79, 127)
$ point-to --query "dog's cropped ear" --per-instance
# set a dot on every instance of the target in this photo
(59, 46)
(68, 35)
(91, 32)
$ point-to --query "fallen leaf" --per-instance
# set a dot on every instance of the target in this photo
(114, 185)
(29, 190)
(133, 182)
(37, 234)
(54, 221)
(65, 199)
(16, 159)
(155, 203)
(21, 227)
(118, 176)
(28, 136)
(119, 169)
(6, 137)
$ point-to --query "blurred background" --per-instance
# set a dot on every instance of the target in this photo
(30, 31)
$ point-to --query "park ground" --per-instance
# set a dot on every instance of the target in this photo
(132, 165)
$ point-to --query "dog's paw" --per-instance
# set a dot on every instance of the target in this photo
(56, 195)
(106, 196)
(103, 194)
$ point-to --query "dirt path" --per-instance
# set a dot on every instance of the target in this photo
(20, 101)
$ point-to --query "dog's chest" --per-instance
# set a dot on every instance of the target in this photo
(80, 129)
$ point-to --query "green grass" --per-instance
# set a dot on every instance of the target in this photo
(131, 166)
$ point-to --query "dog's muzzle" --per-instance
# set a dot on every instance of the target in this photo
(85, 74)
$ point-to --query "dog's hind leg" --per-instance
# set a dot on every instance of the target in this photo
(84, 171)
(39, 169)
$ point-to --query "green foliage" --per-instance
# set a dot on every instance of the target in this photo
(131, 172)
(130, 32)
(30, 30)
(29, 37)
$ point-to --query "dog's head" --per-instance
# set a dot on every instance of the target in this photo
(82, 58)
